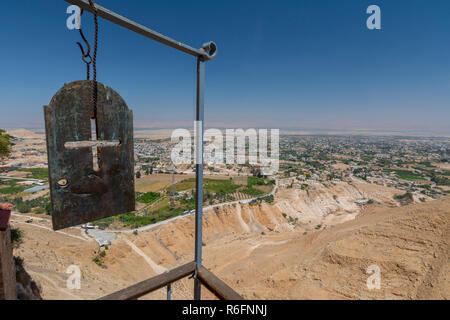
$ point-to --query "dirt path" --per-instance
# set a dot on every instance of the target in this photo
(155, 267)
(51, 230)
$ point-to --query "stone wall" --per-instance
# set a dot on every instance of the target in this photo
(8, 288)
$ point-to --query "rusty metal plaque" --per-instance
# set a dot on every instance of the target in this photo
(91, 177)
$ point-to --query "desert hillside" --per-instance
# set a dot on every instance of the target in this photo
(264, 251)
(409, 244)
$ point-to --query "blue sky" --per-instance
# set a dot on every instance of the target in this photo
(281, 64)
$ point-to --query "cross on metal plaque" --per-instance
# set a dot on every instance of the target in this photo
(91, 177)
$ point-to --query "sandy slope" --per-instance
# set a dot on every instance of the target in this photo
(261, 254)
(409, 244)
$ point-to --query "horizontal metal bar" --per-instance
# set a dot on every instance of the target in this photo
(217, 286)
(155, 283)
(90, 144)
(207, 52)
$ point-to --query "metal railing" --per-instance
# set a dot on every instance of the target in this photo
(219, 288)
(207, 52)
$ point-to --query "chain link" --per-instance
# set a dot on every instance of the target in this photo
(88, 59)
(94, 63)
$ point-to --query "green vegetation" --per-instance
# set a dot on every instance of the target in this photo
(407, 195)
(5, 144)
(97, 261)
(441, 181)
(269, 199)
(185, 185)
(255, 181)
(252, 192)
(405, 199)
(212, 185)
(104, 223)
(427, 164)
(23, 208)
(100, 257)
(384, 162)
(148, 197)
(38, 205)
(220, 186)
(38, 210)
(133, 220)
(405, 174)
(37, 173)
(16, 237)
(216, 191)
(11, 187)
(292, 220)
(141, 219)
(136, 221)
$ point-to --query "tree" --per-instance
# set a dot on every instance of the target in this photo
(5, 144)
(138, 175)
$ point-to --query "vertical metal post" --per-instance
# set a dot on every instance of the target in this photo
(169, 292)
(199, 126)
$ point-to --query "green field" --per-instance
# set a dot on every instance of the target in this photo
(252, 192)
(185, 185)
(406, 175)
(215, 190)
(427, 164)
(220, 186)
(255, 181)
(11, 187)
(146, 217)
(148, 197)
(37, 173)
(212, 185)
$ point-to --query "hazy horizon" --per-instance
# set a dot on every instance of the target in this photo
(292, 65)
(167, 131)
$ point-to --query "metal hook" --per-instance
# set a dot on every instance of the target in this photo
(86, 54)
